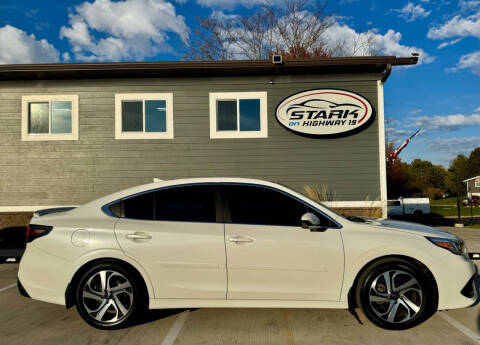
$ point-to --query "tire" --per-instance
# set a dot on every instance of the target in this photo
(410, 299)
(110, 296)
(418, 213)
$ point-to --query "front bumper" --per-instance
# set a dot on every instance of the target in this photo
(456, 278)
(470, 290)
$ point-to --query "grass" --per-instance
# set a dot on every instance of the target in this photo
(446, 201)
(451, 211)
(473, 226)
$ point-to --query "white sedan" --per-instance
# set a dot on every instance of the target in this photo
(231, 242)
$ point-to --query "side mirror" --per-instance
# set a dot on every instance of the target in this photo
(312, 222)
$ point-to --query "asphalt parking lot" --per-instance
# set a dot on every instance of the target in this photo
(24, 321)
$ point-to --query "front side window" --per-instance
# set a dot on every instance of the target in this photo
(178, 204)
(477, 183)
(50, 117)
(264, 206)
(144, 116)
(238, 115)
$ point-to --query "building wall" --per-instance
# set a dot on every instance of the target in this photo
(74, 172)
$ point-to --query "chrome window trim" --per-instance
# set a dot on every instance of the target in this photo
(106, 210)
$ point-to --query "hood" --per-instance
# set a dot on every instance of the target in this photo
(412, 228)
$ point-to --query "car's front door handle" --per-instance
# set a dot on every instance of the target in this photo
(240, 239)
(139, 236)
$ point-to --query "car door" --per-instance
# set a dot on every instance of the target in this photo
(176, 235)
(269, 254)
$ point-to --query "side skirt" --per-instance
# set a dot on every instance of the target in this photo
(209, 303)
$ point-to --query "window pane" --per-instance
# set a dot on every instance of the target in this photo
(139, 207)
(249, 114)
(61, 117)
(186, 204)
(256, 205)
(156, 116)
(38, 118)
(132, 116)
(226, 115)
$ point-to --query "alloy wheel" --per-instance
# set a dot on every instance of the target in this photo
(395, 296)
(108, 296)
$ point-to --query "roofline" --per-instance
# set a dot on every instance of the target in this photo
(471, 178)
(369, 64)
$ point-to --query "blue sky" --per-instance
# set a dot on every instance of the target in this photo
(441, 94)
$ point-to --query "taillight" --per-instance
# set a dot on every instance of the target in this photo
(35, 231)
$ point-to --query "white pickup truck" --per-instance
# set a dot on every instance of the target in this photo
(408, 206)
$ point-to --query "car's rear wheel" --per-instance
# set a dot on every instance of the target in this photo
(395, 294)
(109, 296)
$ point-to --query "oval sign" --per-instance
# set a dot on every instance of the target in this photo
(325, 113)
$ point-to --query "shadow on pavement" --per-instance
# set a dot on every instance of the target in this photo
(158, 314)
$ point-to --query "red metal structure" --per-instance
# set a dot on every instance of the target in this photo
(394, 155)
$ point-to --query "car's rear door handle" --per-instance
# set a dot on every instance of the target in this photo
(241, 239)
(139, 236)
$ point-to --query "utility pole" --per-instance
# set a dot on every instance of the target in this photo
(458, 191)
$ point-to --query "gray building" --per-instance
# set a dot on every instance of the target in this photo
(71, 133)
(473, 186)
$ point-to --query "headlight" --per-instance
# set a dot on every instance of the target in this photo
(456, 246)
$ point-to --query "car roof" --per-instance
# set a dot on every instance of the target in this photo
(177, 182)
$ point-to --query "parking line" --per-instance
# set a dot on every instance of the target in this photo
(8, 287)
(460, 327)
(175, 329)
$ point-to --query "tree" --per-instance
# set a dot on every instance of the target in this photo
(458, 172)
(293, 28)
(396, 174)
(474, 163)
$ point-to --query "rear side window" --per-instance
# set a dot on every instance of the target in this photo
(393, 203)
(257, 205)
(186, 204)
(139, 207)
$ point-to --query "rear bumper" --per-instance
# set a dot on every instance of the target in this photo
(21, 289)
(43, 276)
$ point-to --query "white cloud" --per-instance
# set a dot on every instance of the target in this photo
(457, 26)
(229, 4)
(17, 47)
(477, 110)
(451, 147)
(445, 123)
(395, 132)
(388, 43)
(416, 111)
(448, 43)
(130, 29)
(412, 12)
(467, 5)
(468, 61)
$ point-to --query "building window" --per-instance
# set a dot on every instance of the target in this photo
(50, 117)
(238, 115)
(477, 183)
(144, 116)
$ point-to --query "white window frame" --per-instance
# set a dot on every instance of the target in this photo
(219, 96)
(167, 97)
(26, 100)
(477, 184)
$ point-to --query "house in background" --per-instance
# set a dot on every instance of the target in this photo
(71, 133)
(473, 186)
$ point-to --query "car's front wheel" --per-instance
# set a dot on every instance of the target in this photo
(110, 296)
(395, 294)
